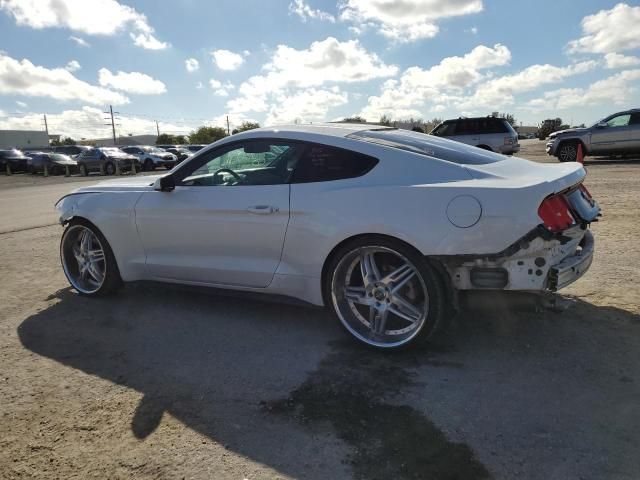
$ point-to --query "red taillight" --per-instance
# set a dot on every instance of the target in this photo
(555, 214)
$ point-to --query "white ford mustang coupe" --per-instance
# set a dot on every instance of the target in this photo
(382, 225)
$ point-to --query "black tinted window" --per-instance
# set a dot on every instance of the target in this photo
(444, 130)
(479, 126)
(635, 119)
(320, 163)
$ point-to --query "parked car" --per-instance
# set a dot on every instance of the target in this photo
(152, 157)
(71, 150)
(165, 146)
(16, 159)
(56, 163)
(181, 153)
(617, 134)
(194, 148)
(489, 133)
(384, 226)
(106, 158)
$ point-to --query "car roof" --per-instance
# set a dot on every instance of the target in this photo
(330, 129)
(461, 119)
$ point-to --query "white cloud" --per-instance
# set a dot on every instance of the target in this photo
(324, 62)
(617, 89)
(609, 31)
(227, 60)
(22, 77)
(92, 17)
(191, 64)
(88, 122)
(131, 82)
(304, 106)
(305, 12)
(500, 91)
(408, 20)
(452, 76)
(73, 66)
(199, 85)
(617, 60)
(79, 41)
(219, 89)
(21, 104)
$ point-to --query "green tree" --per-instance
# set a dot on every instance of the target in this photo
(207, 135)
(180, 139)
(509, 118)
(63, 141)
(165, 139)
(385, 120)
(354, 119)
(247, 126)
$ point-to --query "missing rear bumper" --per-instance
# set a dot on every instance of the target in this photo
(573, 267)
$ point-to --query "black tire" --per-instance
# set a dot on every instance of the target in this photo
(112, 280)
(568, 151)
(149, 165)
(84, 171)
(434, 318)
(109, 168)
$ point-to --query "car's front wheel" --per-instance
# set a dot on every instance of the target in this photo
(87, 260)
(148, 165)
(568, 152)
(384, 293)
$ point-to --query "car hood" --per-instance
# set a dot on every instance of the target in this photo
(124, 184)
(568, 131)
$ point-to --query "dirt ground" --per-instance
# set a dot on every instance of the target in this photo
(164, 382)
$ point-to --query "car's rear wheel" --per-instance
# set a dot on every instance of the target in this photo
(148, 165)
(83, 170)
(384, 293)
(568, 152)
(87, 260)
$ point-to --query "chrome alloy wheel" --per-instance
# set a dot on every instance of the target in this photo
(380, 296)
(568, 152)
(83, 259)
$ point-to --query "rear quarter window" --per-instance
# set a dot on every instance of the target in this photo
(320, 163)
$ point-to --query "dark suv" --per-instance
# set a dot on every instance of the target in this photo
(489, 133)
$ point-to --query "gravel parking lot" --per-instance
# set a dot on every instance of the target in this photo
(168, 382)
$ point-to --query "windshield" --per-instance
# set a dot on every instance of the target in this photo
(114, 152)
(154, 150)
(428, 145)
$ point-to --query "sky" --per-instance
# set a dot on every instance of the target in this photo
(194, 62)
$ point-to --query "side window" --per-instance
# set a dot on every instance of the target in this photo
(619, 121)
(635, 119)
(320, 163)
(264, 162)
(445, 130)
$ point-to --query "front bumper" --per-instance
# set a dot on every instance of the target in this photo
(550, 148)
(572, 267)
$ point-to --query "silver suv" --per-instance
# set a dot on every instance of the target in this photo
(489, 133)
(617, 134)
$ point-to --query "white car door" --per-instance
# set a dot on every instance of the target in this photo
(226, 219)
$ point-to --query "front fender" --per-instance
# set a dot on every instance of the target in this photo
(114, 215)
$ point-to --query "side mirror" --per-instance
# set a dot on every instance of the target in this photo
(165, 184)
(601, 125)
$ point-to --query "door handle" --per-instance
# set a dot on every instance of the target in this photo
(262, 209)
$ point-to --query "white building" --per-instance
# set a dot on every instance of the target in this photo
(23, 139)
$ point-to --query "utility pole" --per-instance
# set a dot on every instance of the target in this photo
(228, 131)
(46, 126)
(113, 124)
(157, 128)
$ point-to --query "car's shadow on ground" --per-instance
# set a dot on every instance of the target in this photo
(264, 379)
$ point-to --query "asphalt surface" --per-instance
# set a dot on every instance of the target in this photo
(168, 382)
